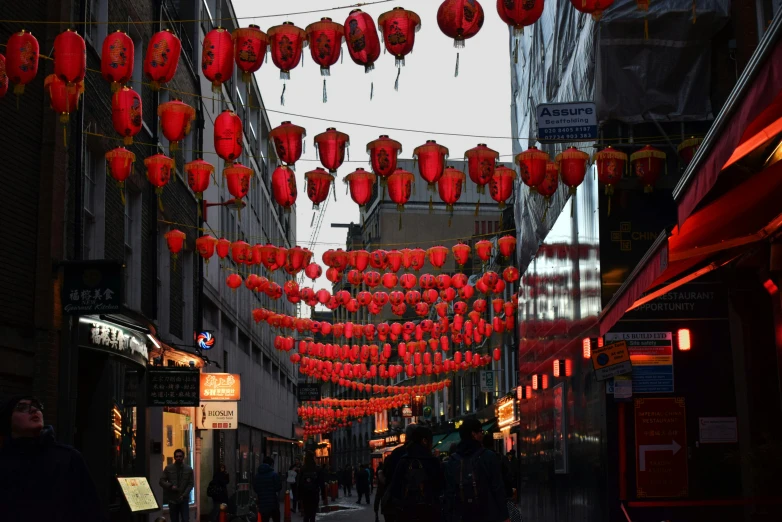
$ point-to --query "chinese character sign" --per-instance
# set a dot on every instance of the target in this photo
(220, 387)
(91, 287)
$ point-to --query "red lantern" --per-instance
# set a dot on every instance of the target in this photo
(383, 154)
(334, 275)
(371, 279)
(249, 50)
(331, 148)
(288, 141)
(480, 165)
(3, 77)
(417, 258)
(501, 185)
(377, 259)
(688, 148)
(70, 59)
(507, 244)
(648, 164)
(532, 165)
(511, 274)
(572, 167)
(313, 271)
(437, 256)
(126, 113)
(162, 58)
(21, 61)
(238, 177)
(318, 185)
(461, 254)
(458, 281)
(116, 59)
(484, 249)
(205, 246)
(389, 280)
(592, 7)
(217, 58)
(175, 239)
(394, 259)
(284, 187)
(399, 27)
(223, 246)
(287, 42)
(519, 14)
(233, 281)
(362, 39)
(175, 119)
(362, 259)
(400, 186)
(325, 41)
(120, 165)
(431, 161)
(361, 184)
(159, 169)
(228, 136)
(198, 173)
(63, 99)
(449, 187)
(548, 186)
(460, 20)
(610, 166)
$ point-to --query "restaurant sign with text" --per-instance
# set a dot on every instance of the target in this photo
(220, 387)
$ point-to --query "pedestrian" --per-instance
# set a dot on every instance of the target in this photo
(474, 487)
(309, 484)
(291, 481)
(41, 480)
(177, 483)
(267, 486)
(362, 483)
(381, 489)
(389, 467)
(217, 490)
(414, 493)
(513, 465)
(347, 477)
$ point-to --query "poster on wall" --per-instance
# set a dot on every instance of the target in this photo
(661, 447)
(220, 387)
(138, 494)
(651, 356)
(172, 387)
(217, 416)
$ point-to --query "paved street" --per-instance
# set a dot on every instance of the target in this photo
(345, 509)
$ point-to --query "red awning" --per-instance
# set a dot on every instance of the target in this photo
(751, 117)
(713, 236)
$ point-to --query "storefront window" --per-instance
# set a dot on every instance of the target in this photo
(178, 434)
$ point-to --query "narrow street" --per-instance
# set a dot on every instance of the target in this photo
(345, 509)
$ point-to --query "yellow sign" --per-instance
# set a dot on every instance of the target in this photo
(611, 360)
(138, 494)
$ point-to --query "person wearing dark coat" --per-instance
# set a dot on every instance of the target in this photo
(267, 486)
(220, 479)
(347, 481)
(309, 483)
(419, 453)
(392, 461)
(40, 479)
(362, 482)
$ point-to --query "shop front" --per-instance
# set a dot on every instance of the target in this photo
(506, 435)
(382, 447)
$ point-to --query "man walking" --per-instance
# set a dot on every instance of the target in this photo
(177, 482)
(474, 489)
(267, 488)
(414, 494)
(347, 480)
(390, 465)
(362, 483)
(41, 480)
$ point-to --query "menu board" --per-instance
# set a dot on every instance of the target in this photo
(138, 494)
(173, 387)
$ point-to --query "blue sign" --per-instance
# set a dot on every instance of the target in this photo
(563, 122)
(653, 379)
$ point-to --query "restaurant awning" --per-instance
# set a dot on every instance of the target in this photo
(445, 443)
(751, 117)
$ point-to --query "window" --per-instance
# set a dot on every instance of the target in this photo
(132, 248)
(96, 17)
(178, 435)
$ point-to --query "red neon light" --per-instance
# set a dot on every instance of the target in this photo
(683, 335)
(770, 287)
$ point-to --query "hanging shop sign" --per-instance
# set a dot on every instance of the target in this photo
(487, 381)
(173, 387)
(661, 447)
(651, 354)
(611, 360)
(407, 411)
(97, 334)
(220, 387)
(91, 287)
(218, 416)
(205, 340)
(138, 494)
(507, 411)
(717, 430)
(308, 392)
(498, 436)
(562, 122)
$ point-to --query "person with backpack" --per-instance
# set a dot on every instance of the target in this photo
(217, 490)
(267, 486)
(474, 487)
(414, 493)
(309, 484)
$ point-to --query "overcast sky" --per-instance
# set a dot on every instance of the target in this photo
(429, 97)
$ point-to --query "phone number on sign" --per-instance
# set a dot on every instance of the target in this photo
(568, 130)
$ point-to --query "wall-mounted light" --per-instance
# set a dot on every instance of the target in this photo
(544, 381)
(556, 367)
(535, 381)
(519, 392)
(770, 287)
(683, 336)
(600, 342)
(586, 345)
(568, 367)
